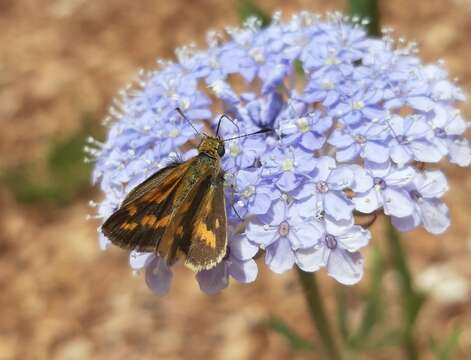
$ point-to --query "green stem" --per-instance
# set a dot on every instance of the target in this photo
(412, 300)
(317, 312)
(366, 9)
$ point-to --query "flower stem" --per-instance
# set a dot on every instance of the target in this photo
(368, 9)
(317, 313)
(412, 300)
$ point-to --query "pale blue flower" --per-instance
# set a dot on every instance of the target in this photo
(251, 194)
(411, 140)
(345, 135)
(324, 192)
(448, 128)
(360, 106)
(238, 264)
(287, 167)
(283, 234)
(306, 130)
(426, 191)
(158, 275)
(326, 90)
(337, 250)
(387, 189)
(368, 141)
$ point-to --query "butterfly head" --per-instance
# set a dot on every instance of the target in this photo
(212, 146)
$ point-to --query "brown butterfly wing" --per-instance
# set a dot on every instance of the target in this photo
(152, 182)
(204, 238)
(142, 218)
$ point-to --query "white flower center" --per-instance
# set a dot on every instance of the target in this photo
(358, 105)
(327, 84)
(234, 150)
(332, 59)
(303, 125)
(283, 228)
(213, 62)
(217, 86)
(322, 187)
(184, 103)
(257, 54)
(287, 165)
(360, 139)
(173, 133)
(248, 191)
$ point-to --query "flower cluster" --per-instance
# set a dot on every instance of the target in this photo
(354, 120)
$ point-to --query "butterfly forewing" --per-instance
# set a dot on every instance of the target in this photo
(166, 174)
(138, 224)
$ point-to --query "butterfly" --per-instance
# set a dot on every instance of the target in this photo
(180, 211)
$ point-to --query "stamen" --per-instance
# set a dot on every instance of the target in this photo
(322, 187)
(287, 165)
(248, 191)
(360, 139)
(173, 133)
(358, 105)
(234, 150)
(303, 124)
(439, 132)
(283, 228)
(379, 183)
(330, 241)
(415, 195)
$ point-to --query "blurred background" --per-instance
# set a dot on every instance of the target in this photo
(61, 63)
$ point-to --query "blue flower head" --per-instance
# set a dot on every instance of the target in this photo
(348, 133)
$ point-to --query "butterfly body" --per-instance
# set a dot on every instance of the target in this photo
(178, 212)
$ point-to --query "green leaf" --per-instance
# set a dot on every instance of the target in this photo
(391, 338)
(67, 170)
(295, 341)
(445, 350)
(28, 186)
(60, 178)
(249, 8)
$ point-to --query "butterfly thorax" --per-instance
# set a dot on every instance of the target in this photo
(212, 146)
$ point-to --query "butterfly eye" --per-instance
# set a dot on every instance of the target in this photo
(221, 150)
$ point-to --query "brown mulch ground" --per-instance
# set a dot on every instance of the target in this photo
(61, 297)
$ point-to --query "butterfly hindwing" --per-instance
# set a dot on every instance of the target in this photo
(205, 241)
(174, 243)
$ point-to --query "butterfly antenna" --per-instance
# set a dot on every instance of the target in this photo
(228, 118)
(189, 122)
(262, 131)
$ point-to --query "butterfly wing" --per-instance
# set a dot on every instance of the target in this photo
(209, 234)
(141, 220)
(202, 231)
